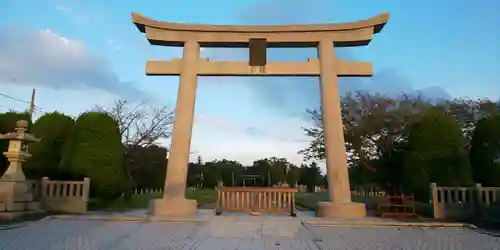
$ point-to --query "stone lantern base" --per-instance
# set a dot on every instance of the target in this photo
(17, 201)
(16, 196)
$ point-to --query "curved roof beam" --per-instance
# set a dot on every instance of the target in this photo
(376, 22)
(342, 34)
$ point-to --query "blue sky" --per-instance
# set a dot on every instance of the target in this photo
(79, 54)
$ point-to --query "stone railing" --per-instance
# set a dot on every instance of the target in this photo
(147, 191)
(317, 189)
(365, 192)
(62, 196)
(368, 193)
(155, 191)
(461, 202)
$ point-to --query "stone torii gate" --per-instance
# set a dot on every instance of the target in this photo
(257, 38)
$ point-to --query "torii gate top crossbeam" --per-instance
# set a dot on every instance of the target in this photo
(343, 34)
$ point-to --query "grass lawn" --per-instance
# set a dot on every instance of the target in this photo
(309, 200)
(202, 196)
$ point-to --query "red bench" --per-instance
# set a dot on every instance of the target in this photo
(396, 206)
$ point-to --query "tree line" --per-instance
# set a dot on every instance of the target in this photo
(117, 148)
(397, 144)
(403, 144)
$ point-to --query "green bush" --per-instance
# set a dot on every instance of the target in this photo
(435, 152)
(54, 129)
(95, 151)
(485, 146)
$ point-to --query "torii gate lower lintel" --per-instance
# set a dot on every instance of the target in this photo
(257, 39)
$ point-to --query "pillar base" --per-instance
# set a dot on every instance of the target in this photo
(173, 207)
(340, 210)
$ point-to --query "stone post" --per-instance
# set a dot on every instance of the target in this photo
(45, 186)
(174, 203)
(436, 210)
(479, 200)
(86, 189)
(340, 205)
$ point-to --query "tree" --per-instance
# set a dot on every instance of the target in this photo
(148, 168)
(310, 176)
(226, 171)
(54, 129)
(374, 126)
(468, 112)
(140, 125)
(211, 174)
(275, 168)
(292, 175)
(199, 160)
(262, 169)
(279, 168)
(435, 152)
(230, 171)
(324, 181)
(95, 151)
(485, 151)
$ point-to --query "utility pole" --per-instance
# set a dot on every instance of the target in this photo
(31, 109)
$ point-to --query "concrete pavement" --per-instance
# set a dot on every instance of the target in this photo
(234, 232)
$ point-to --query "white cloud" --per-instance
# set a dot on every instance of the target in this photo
(70, 79)
(217, 138)
(68, 101)
(55, 62)
(202, 53)
(64, 9)
(77, 18)
(113, 44)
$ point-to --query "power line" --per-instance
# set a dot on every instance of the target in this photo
(2, 106)
(13, 98)
(32, 106)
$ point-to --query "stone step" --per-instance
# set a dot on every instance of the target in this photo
(26, 197)
(19, 206)
(21, 215)
(15, 206)
(33, 206)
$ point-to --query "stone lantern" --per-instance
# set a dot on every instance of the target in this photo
(16, 196)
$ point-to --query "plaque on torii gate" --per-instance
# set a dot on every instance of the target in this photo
(257, 38)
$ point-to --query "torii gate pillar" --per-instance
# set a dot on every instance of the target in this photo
(257, 38)
(340, 205)
(174, 203)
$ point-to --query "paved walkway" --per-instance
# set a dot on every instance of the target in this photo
(233, 233)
